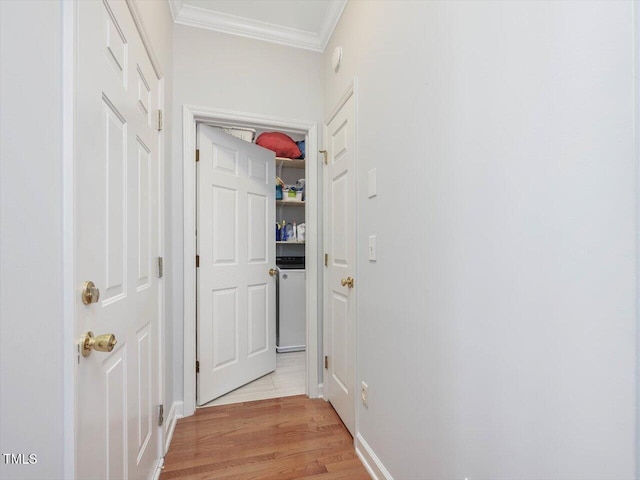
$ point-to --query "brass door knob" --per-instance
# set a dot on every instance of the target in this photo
(347, 282)
(273, 272)
(90, 293)
(101, 343)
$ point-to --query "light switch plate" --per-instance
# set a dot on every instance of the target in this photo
(373, 254)
(373, 187)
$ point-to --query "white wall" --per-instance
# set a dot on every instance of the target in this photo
(497, 329)
(31, 310)
(233, 73)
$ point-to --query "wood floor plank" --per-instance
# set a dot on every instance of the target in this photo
(284, 438)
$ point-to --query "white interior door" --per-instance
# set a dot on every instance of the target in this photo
(340, 244)
(117, 243)
(236, 331)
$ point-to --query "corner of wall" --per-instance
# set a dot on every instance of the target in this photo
(636, 49)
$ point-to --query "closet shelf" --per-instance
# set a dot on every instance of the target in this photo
(278, 242)
(293, 203)
(288, 162)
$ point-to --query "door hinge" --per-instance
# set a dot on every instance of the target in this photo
(197, 261)
(161, 415)
(326, 156)
(159, 120)
(198, 155)
(326, 362)
(160, 267)
(197, 366)
(326, 259)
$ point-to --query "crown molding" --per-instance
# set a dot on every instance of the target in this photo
(198, 17)
(137, 19)
(175, 6)
(330, 21)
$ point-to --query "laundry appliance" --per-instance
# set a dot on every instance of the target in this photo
(291, 305)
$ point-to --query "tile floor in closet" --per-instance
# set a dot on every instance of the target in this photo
(287, 380)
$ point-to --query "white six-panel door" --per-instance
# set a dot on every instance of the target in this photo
(236, 332)
(117, 243)
(340, 245)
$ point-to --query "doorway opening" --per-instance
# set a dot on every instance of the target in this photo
(293, 361)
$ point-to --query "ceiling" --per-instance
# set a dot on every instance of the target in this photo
(304, 24)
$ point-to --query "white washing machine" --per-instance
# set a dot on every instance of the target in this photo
(291, 321)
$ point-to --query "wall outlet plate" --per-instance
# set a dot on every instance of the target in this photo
(372, 183)
(364, 394)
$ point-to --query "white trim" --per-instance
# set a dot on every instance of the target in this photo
(193, 16)
(175, 413)
(69, 19)
(636, 46)
(158, 470)
(189, 259)
(162, 284)
(356, 108)
(137, 19)
(320, 390)
(351, 90)
(370, 460)
(190, 115)
(330, 21)
(175, 6)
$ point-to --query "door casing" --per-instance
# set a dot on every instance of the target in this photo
(191, 115)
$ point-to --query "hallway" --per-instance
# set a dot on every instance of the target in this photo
(283, 438)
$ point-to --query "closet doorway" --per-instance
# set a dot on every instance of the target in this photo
(292, 361)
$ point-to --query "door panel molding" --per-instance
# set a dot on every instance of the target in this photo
(191, 114)
(338, 260)
(70, 72)
(225, 232)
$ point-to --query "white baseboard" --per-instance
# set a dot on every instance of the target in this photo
(175, 413)
(370, 460)
(158, 471)
(320, 390)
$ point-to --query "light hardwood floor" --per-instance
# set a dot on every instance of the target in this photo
(287, 380)
(283, 438)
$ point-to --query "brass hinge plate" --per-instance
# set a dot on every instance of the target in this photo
(326, 259)
(326, 156)
(197, 261)
(161, 415)
(160, 267)
(197, 366)
(326, 361)
(198, 155)
(159, 120)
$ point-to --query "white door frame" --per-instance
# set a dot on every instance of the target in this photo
(190, 115)
(636, 11)
(70, 288)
